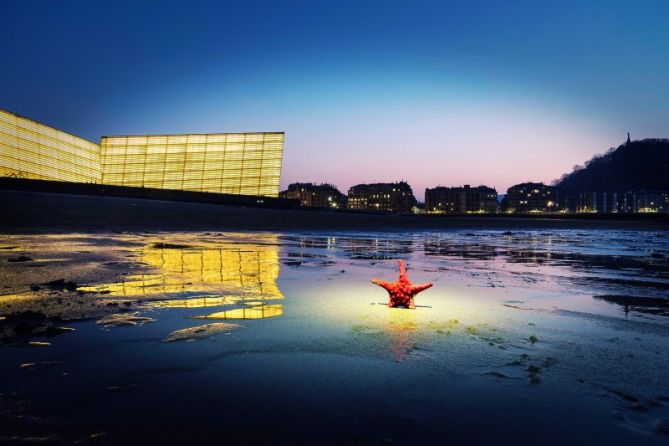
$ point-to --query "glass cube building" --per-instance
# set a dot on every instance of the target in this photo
(228, 163)
(32, 150)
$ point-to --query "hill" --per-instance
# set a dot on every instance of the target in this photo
(634, 165)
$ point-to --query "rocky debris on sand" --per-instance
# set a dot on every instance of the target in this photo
(124, 320)
(122, 386)
(624, 395)
(201, 331)
(20, 259)
(533, 374)
(58, 285)
(29, 323)
(662, 426)
(548, 362)
(638, 407)
(34, 365)
(161, 245)
(97, 436)
(496, 374)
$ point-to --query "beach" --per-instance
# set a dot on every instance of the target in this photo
(532, 335)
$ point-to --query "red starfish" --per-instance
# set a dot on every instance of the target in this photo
(403, 291)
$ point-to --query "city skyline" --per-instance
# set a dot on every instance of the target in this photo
(494, 95)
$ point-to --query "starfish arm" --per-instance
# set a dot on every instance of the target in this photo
(418, 288)
(382, 283)
(403, 270)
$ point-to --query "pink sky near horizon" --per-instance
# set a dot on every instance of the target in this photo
(485, 144)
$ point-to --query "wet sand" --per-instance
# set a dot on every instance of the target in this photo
(544, 336)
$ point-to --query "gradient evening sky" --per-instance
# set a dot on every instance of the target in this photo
(436, 93)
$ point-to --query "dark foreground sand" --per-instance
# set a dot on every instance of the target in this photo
(25, 212)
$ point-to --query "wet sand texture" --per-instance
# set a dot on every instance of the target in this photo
(547, 336)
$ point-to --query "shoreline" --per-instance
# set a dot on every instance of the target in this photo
(35, 212)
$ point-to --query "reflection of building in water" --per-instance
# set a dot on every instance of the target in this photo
(435, 246)
(199, 277)
(256, 310)
(367, 248)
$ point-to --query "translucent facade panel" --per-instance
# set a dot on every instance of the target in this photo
(32, 150)
(232, 163)
(235, 163)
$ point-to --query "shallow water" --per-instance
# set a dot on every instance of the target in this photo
(526, 337)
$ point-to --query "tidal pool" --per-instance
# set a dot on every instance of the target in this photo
(526, 337)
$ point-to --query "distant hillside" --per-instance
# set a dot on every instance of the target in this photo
(634, 165)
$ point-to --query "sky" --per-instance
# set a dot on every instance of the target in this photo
(431, 92)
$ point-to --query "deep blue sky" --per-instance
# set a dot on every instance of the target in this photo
(431, 92)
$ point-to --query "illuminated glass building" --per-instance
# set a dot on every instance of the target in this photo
(32, 150)
(228, 163)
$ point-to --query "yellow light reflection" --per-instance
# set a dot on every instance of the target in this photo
(401, 325)
(6, 299)
(255, 312)
(210, 275)
(199, 302)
